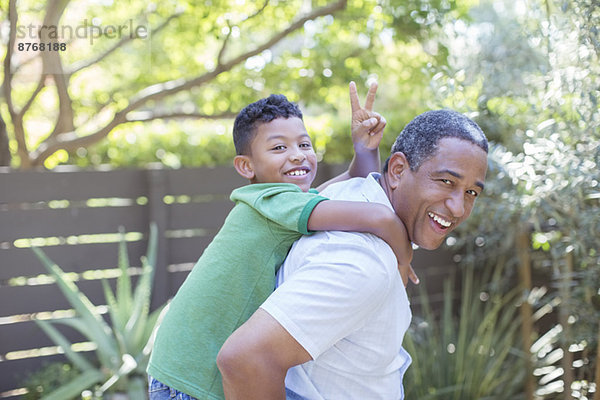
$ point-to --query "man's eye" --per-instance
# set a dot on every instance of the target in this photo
(473, 193)
(446, 181)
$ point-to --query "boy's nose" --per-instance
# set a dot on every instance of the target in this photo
(297, 156)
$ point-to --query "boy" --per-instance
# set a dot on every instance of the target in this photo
(236, 272)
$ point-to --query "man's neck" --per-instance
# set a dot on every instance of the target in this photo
(385, 186)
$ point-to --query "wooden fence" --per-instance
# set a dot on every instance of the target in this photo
(74, 217)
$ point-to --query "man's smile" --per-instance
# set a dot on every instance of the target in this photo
(442, 222)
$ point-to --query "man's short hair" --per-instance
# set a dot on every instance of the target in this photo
(262, 111)
(419, 139)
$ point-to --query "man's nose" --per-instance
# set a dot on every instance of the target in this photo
(456, 204)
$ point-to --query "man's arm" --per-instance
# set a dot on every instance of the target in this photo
(263, 350)
(367, 131)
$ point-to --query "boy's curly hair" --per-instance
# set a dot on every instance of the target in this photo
(262, 111)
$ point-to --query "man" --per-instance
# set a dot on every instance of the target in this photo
(340, 312)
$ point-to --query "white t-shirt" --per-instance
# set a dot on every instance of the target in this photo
(340, 295)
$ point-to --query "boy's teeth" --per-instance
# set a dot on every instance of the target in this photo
(297, 172)
(440, 221)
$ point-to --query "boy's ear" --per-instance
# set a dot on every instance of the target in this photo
(397, 165)
(243, 166)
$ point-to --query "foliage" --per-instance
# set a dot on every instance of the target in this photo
(198, 65)
(544, 177)
(470, 354)
(123, 347)
(48, 378)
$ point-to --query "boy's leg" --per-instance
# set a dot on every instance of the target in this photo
(159, 391)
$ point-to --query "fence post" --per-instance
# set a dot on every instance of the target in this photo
(157, 213)
(523, 248)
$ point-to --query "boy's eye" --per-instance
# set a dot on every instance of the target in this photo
(279, 147)
(306, 145)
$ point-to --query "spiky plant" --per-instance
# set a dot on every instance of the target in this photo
(123, 346)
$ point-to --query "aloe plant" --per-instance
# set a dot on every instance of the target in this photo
(123, 346)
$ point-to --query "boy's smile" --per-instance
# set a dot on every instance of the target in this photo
(282, 152)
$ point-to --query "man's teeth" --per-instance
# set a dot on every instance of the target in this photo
(297, 172)
(440, 220)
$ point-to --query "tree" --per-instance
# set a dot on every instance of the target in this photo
(230, 49)
(130, 64)
(532, 76)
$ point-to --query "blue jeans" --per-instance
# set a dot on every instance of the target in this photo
(159, 391)
(289, 395)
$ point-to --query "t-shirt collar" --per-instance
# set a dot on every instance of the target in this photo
(372, 191)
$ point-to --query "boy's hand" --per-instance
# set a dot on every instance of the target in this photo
(390, 228)
(407, 272)
(367, 125)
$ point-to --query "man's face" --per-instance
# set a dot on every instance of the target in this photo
(282, 152)
(440, 195)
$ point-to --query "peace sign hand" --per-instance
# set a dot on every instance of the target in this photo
(367, 126)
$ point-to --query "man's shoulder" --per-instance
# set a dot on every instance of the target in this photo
(364, 250)
(345, 190)
(358, 240)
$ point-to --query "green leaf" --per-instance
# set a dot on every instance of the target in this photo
(143, 292)
(117, 315)
(152, 249)
(74, 388)
(141, 307)
(124, 294)
(106, 351)
(111, 302)
(60, 340)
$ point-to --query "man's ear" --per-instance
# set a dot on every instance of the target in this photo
(397, 165)
(243, 166)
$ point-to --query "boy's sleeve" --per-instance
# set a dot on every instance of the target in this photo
(284, 203)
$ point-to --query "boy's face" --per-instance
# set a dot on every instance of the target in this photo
(282, 152)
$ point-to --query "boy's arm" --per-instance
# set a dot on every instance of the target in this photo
(367, 131)
(367, 217)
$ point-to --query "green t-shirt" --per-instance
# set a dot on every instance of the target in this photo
(232, 278)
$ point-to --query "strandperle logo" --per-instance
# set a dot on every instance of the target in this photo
(81, 39)
(89, 30)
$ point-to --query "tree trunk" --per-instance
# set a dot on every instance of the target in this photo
(597, 377)
(527, 329)
(4, 148)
